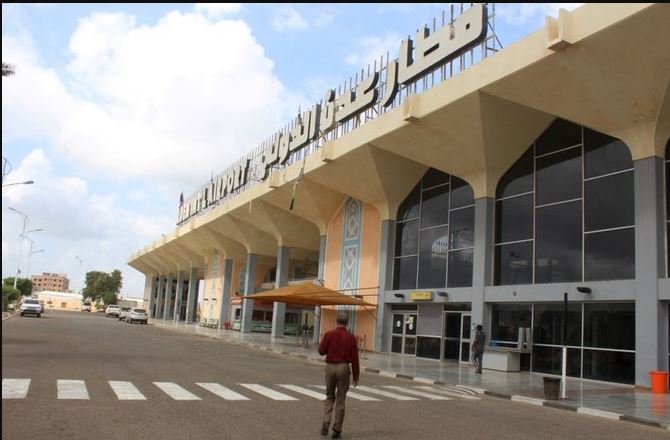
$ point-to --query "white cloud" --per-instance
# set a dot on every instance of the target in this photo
(143, 99)
(370, 49)
(288, 19)
(530, 13)
(218, 10)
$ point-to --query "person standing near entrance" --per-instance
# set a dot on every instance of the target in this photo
(478, 348)
(340, 348)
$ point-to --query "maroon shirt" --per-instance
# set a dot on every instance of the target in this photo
(339, 345)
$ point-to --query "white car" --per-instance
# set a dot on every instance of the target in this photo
(86, 308)
(123, 313)
(137, 315)
(112, 310)
(31, 306)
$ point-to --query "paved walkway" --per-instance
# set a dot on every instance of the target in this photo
(621, 402)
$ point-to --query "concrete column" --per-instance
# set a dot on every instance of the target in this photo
(650, 318)
(158, 313)
(249, 288)
(279, 308)
(168, 297)
(190, 299)
(152, 282)
(383, 324)
(482, 265)
(321, 275)
(225, 294)
(178, 295)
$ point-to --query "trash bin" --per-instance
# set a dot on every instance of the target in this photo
(551, 388)
(659, 381)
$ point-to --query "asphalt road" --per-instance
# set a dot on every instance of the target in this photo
(96, 350)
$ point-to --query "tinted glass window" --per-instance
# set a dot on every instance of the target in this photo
(435, 206)
(609, 202)
(31, 301)
(548, 324)
(609, 325)
(514, 263)
(460, 268)
(549, 360)
(519, 178)
(506, 320)
(604, 154)
(407, 238)
(610, 255)
(428, 347)
(462, 232)
(461, 193)
(409, 208)
(433, 257)
(514, 219)
(598, 365)
(559, 177)
(404, 273)
(434, 177)
(561, 134)
(558, 243)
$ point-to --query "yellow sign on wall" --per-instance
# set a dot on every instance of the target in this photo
(421, 296)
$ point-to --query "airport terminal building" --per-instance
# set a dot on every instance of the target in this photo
(461, 183)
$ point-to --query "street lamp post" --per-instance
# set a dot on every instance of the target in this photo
(25, 220)
(27, 182)
(30, 255)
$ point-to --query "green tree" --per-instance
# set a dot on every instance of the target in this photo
(9, 295)
(102, 287)
(7, 69)
(24, 285)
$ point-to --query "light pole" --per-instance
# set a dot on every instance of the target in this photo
(27, 182)
(30, 255)
(25, 220)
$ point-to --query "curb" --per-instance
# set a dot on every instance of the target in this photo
(10, 316)
(466, 388)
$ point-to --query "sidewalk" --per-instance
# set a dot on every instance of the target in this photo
(613, 401)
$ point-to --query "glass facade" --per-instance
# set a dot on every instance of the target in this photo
(435, 235)
(667, 205)
(565, 210)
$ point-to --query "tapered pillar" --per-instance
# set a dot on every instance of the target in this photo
(178, 295)
(322, 270)
(279, 308)
(192, 298)
(482, 266)
(249, 288)
(383, 323)
(158, 312)
(225, 293)
(168, 297)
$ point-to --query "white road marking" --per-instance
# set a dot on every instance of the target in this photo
(222, 391)
(125, 390)
(267, 392)
(15, 388)
(598, 413)
(448, 392)
(385, 393)
(175, 391)
(531, 400)
(72, 389)
(417, 393)
(305, 391)
(354, 395)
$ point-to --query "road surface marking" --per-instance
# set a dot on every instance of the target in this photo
(175, 391)
(417, 393)
(385, 393)
(267, 392)
(222, 391)
(125, 390)
(357, 396)
(72, 389)
(452, 393)
(305, 391)
(15, 388)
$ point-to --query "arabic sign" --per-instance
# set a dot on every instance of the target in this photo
(417, 57)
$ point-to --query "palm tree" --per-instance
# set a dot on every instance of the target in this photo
(7, 69)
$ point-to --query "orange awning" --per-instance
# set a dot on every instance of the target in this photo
(308, 293)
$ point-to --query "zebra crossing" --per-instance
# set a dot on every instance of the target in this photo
(73, 389)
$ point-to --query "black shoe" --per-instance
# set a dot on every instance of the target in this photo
(324, 429)
(337, 434)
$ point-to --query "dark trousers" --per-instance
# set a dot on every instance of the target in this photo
(477, 356)
(337, 385)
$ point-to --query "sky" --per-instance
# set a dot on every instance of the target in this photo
(114, 110)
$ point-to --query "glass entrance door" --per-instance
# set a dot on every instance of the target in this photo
(466, 330)
(403, 336)
(452, 335)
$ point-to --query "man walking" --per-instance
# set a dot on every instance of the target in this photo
(478, 348)
(340, 348)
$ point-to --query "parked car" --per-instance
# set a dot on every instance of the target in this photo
(123, 313)
(112, 310)
(31, 306)
(86, 307)
(137, 315)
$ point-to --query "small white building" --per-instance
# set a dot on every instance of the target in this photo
(60, 300)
